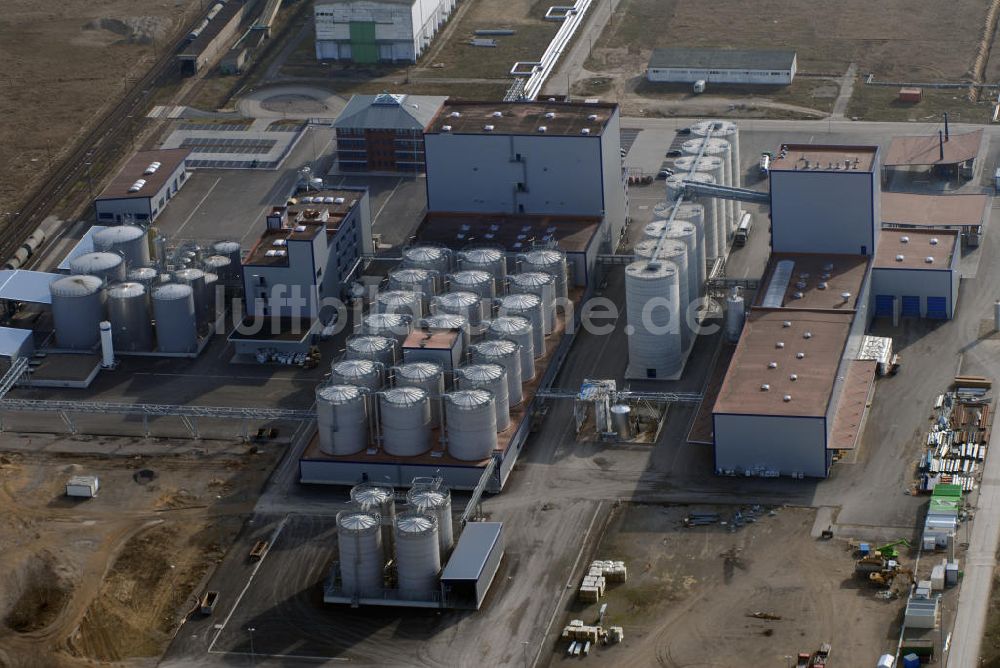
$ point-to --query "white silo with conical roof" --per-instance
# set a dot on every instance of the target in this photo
(359, 547)
(418, 556)
(654, 342)
(471, 422)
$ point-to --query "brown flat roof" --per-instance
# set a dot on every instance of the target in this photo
(925, 150)
(435, 339)
(272, 247)
(849, 420)
(824, 158)
(336, 204)
(933, 210)
(816, 281)
(515, 233)
(778, 337)
(132, 171)
(522, 118)
(909, 249)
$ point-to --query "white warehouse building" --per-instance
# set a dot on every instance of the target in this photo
(722, 66)
(141, 190)
(372, 31)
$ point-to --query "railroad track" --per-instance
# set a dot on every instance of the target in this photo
(115, 129)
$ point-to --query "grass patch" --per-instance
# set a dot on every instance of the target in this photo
(214, 91)
(880, 103)
(459, 59)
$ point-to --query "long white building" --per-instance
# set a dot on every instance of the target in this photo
(372, 31)
(722, 66)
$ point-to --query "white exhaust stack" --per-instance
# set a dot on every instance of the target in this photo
(107, 348)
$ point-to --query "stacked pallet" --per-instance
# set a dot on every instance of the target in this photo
(600, 573)
(577, 630)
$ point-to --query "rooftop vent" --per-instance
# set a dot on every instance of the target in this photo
(542, 128)
(846, 296)
(904, 239)
(934, 241)
(900, 257)
(807, 335)
(765, 387)
(929, 259)
(585, 131)
(772, 365)
(153, 166)
(279, 242)
(779, 344)
(793, 377)
(787, 397)
(488, 128)
(800, 356)
(445, 128)
(497, 114)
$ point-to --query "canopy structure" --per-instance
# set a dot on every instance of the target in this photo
(15, 342)
(21, 285)
(931, 150)
(915, 210)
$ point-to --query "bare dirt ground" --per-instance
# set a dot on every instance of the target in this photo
(64, 64)
(895, 40)
(691, 593)
(111, 578)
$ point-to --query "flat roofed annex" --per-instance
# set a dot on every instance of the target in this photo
(824, 158)
(815, 281)
(558, 118)
(916, 249)
(137, 166)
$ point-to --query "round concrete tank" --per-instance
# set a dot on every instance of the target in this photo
(676, 253)
(128, 313)
(128, 241)
(466, 304)
(341, 419)
(390, 325)
(507, 353)
(518, 330)
(405, 416)
(471, 421)
(735, 315)
(359, 546)
(378, 349)
(109, 267)
(361, 372)
(530, 307)
(428, 376)
(654, 346)
(491, 260)
(435, 502)
(541, 284)
(147, 276)
(549, 261)
(423, 281)
(449, 321)
(203, 297)
(400, 301)
(492, 377)
(176, 323)
(77, 311)
(621, 421)
(418, 556)
(480, 282)
(435, 258)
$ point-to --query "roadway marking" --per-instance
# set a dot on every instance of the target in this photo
(198, 206)
(260, 562)
(568, 586)
(386, 202)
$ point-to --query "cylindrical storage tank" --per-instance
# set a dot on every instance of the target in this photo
(654, 230)
(231, 249)
(693, 213)
(449, 321)
(471, 421)
(714, 240)
(492, 377)
(687, 234)
(220, 265)
(507, 353)
(654, 347)
(436, 502)
(466, 304)
(721, 148)
(77, 311)
(145, 275)
(480, 282)
(400, 301)
(359, 546)
(341, 419)
(621, 421)
(541, 284)
(715, 167)
(361, 373)
(418, 556)
(677, 253)
(405, 416)
(434, 258)
(128, 241)
(735, 315)
(390, 325)
(428, 376)
(518, 330)
(529, 307)
(176, 322)
(415, 280)
(723, 130)
(380, 349)
(377, 499)
(492, 260)
(109, 267)
(128, 313)
(549, 261)
(203, 297)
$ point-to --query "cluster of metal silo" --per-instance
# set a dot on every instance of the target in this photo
(491, 260)
(506, 353)
(528, 306)
(400, 301)
(491, 377)
(342, 419)
(405, 421)
(654, 345)
(450, 321)
(380, 349)
(518, 330)
(390, 325)
(729, 132)
(544, 286)
(471, 419)
(127, 241)
(461, 302)
(434, 258)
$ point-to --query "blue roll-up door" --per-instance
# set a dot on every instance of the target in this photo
(911, 306)
(937, 308)
(883, 306)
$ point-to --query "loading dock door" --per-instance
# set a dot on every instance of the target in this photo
(911, 306)
(883, 306)
(937, 308)
(363, 47)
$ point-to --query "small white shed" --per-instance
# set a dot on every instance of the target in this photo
(82, 486)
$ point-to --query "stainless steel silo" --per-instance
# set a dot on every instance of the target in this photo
(176, 322)
(130, 318)
(362, 556)
(204, 300)
(341, 419)
(480, 282)
(428, 376)
(549, 261)
(437, 502)
(418, 556)
(492, 377)
(77, 311)
(541, 284)
(360, 372)
(145, 275)
(466, 304)
(231, 249)
(449, 321)
(128, 241)
(471, 423)
(518, 330)
(507, 353)
(405, 418)
(436, 258)
(526, 306)
(379, 349)
(392, 325)
(109, 267)
(492, 260)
